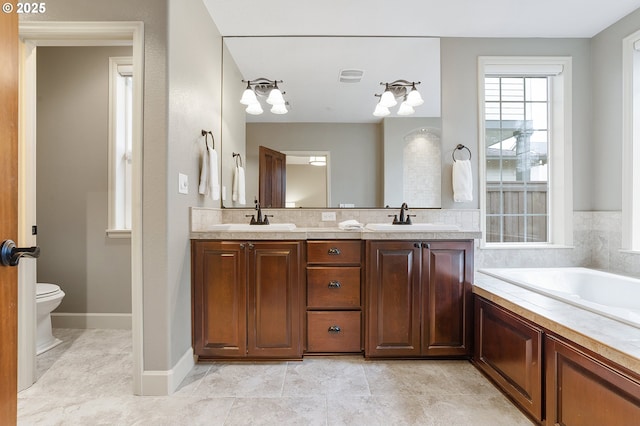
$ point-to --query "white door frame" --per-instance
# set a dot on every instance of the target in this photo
(121, 33)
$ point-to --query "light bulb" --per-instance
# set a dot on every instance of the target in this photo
(279, 109)
(275, 97)
(388, 99)
(414, 98)
(405, 109)
(381, 111)
(254, 109)
(248, 97)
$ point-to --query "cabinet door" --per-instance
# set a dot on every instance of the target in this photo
(582, 390)
(509, 350)
(447, 310)
(219, 299)
(393, 299)
(274, 300)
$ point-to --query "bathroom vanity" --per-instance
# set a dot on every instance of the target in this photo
(284, 294)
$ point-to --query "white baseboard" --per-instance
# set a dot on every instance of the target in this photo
(90, 320)
(162, 383)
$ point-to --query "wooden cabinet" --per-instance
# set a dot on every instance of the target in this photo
(585, 389)
(508, 349)
(334, 307)
(246, 299)
(419, 298)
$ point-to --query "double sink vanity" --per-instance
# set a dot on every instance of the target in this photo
(280, 291)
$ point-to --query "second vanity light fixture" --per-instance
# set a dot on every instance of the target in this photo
(264, 88)
(399, 89)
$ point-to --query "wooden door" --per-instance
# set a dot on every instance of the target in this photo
(272, 178)
(393, 299)
(8, 215)
(447, 307)
(219, 299)
(274, 305)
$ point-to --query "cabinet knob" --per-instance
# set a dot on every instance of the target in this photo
(334, 329)
(334, 284)
(334, 251)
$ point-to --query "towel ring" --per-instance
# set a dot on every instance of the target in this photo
(206, 134)
(457, 148)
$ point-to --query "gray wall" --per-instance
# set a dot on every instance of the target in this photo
(459, 57)
(195, 51)
(606, 126)
(72, 181)
(354, 176)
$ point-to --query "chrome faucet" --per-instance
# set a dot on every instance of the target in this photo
(404, 219)
(259, 220)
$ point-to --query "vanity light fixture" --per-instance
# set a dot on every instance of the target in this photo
(399, 89)
(264, 88)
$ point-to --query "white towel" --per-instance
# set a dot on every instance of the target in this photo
(238, 194)
(462, 180)
(351, 225)
(209, 184)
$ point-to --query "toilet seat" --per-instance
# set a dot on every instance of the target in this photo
(46, 289)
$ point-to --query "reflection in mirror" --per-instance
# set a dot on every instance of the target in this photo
(368, 165)
(308, 182)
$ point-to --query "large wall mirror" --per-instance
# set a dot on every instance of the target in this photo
(337, 153)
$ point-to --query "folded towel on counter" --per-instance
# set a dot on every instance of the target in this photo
(209, 184)
(462, 180)
(351, 225)
(238, 193)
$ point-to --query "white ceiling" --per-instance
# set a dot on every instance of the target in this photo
(382, 59)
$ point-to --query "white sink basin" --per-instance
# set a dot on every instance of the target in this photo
(412, 227)
(245, 227)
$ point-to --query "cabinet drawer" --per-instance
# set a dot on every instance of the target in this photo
(334, 252)
(333, 287)
(329, 331)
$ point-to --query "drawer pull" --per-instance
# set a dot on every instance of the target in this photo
(334, 329)
(334, 284)
(334, 251)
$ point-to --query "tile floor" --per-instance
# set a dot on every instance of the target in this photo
(87, 381)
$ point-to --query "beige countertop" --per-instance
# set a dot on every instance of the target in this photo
(336, 234)
(612, 339)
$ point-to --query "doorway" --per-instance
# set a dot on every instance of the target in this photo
(32, 35)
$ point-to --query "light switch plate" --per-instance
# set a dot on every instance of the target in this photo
(328, 216)
(183, 183)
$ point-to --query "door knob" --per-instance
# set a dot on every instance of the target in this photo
(10, 254)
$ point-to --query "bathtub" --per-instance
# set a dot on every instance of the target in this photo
(610, 295)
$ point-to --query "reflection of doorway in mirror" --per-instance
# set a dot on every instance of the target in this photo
(307, 179)
(420, 159)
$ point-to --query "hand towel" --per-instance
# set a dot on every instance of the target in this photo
(462, 180)
(351, 225)
(238, 193)
(209, 184)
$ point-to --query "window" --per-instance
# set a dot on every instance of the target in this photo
(120, 145)
(631, 143)
(525, 142)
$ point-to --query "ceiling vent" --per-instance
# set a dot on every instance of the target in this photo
(351, 76)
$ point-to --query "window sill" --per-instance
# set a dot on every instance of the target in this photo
(627, 251)
(524, 246)
(118, 233)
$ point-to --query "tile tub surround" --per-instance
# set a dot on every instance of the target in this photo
(612, 339)
(319, 390)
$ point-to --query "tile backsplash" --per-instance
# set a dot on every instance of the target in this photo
(597, 235)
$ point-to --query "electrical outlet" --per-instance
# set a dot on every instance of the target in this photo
(328, 216)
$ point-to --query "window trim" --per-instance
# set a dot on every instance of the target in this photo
(630, 145)
(114, 231)
(560, 149)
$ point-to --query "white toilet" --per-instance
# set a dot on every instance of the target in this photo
(48, 297)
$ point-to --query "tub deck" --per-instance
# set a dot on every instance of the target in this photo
(613, 339)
